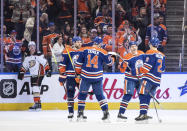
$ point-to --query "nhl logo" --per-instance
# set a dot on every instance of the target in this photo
(8, 88)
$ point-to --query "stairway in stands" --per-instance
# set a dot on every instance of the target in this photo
(174, 19)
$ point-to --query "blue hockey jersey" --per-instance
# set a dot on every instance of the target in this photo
(90, 63)
(154, 66)
(132, 65)
(14, 54)
(159, 32)
(65, 65)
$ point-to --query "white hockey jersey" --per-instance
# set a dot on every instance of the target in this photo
(36, 64)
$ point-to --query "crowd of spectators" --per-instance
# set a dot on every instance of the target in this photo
(94, 18)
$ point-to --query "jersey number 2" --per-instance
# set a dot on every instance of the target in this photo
(93, 61)
(160, 65)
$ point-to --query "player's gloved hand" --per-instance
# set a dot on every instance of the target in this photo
(48, 73)
(21, 75)
(77, 79)
(62, 79)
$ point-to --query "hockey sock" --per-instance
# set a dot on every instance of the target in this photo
(148, 99)
(70, 103)
(81, 101)
(102, 102)
(36, 96)
(124, 103)
(143, 104)
(36, 99)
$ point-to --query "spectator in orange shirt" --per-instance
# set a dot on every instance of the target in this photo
(48, 40)
(107, 40)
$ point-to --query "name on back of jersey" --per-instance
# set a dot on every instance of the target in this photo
(93, 51)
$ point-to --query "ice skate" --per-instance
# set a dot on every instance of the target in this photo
(35, 107)
(106, 116)
(121, 118)
(70, 117)
(81, 117)
(142, 119)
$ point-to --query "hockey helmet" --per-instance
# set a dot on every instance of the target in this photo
(32, 43)
(97, 40)
(76, 38)
(132, 43)
(154, 41)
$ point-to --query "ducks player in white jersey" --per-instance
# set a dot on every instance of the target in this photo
(38, 67)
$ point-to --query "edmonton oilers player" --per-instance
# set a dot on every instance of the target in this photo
(67, 72)
(90, 67)
(133, 61)
(153, 67)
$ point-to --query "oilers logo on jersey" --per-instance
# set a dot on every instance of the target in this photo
(146, 59)
(139, 63)
(74, 59)
(16, 50)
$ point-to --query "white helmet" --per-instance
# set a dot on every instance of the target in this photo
(32, 43)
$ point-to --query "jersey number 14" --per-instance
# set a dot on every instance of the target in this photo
(92, 62)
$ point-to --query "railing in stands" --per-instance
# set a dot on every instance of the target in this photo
(2, 18)
(181, 61)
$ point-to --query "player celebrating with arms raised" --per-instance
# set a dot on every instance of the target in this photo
(37, 66)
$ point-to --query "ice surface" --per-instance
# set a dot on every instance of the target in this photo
(56, 120)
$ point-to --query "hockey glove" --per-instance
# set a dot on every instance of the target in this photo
(62, 79)
(48, 73)
(77, 79)
(21, 75)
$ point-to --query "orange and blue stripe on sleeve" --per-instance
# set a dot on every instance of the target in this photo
(62, 68)
(78, 68)
(146, 68)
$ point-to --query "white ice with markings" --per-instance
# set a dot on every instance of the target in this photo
(56, 120)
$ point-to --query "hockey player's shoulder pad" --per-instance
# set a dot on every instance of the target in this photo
(68, 49)
(81, 49)
(150, 52)
(140, 52)
(128, 56)
(103, 51)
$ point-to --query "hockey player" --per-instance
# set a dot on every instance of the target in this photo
(90, 67)
(133, 61)
(67, 72)
(152, 69)
(38, 67)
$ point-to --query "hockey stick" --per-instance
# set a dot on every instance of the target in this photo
(90, 93)
(155, 100)
(159, 120)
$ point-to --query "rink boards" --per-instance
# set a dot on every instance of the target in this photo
(17, 95)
